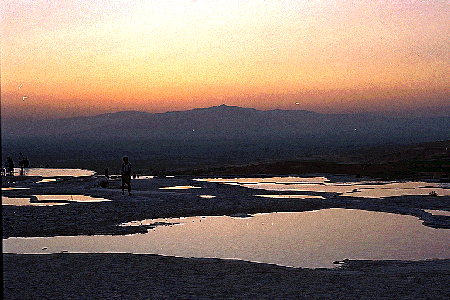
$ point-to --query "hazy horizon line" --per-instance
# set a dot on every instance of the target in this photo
(429, 111)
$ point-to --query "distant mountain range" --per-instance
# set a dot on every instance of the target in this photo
(236, 123)
(215, 136)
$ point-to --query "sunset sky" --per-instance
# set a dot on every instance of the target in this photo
(70, 58)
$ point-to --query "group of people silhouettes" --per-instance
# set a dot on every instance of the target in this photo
(23, 161)
(126, 173)
(8, 168)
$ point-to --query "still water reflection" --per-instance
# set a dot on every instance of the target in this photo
(49, 200)
(50, 172)
(307, 239)
(364, 189)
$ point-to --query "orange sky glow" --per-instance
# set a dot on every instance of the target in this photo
(70, 58)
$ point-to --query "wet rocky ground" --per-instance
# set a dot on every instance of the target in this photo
(150, 201)
(126, 276)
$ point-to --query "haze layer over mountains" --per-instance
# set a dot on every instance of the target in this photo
(232, 122)
(220, 134)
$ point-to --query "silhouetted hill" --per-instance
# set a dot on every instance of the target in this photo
(236, 123)
(215, 136)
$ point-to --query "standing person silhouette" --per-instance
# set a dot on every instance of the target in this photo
(21, 161)
(126, 175)
(10, 166)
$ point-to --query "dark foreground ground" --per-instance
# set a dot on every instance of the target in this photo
(128, 276)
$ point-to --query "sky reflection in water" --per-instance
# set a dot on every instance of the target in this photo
(364, 189)
(49, 200)
(307, 239)
(180, 187)
(50, 172)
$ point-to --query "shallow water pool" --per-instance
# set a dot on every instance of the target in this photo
(49, 200)
(307, 239)
(363, 189)
(51, 172)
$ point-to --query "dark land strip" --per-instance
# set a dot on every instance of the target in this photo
(131, 276)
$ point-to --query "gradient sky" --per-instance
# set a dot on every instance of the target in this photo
(67, 58)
